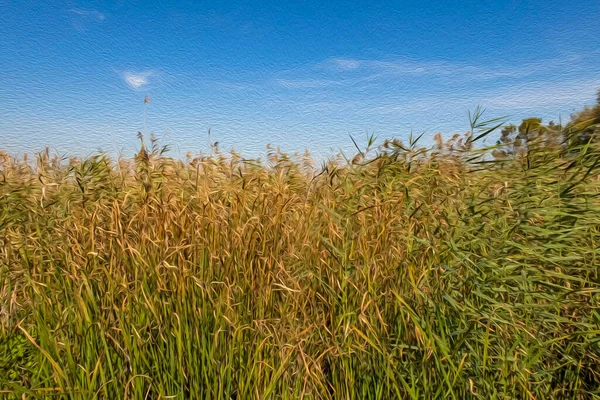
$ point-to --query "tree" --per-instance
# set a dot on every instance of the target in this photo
(584, 125)
(531, 132)
(506, 143)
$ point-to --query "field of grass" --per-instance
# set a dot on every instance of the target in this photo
(404, 273)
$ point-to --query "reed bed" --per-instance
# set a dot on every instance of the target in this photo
(406, 272)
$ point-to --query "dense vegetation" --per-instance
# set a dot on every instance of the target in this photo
(403, 273)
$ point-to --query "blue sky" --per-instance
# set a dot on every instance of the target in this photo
(73, 75)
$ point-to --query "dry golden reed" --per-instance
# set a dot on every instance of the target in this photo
(405, 273)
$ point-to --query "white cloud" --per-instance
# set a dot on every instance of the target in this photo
(98, 16)
(372, 70)
(402, 66)
(346, 64)
(136, 80)
(537, 95)
(305, 83)
(235, 85)
(536, 98)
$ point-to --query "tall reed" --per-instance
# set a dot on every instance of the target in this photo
(405, 273)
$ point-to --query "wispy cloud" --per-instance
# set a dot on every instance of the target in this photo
(402, 66)
(373, 69)
(305, 83)
(364, 73)
(83, 19)
(234, 85)
(345, 64)
(402, 87)
(98, 16)
(536, 95)
(511, 100)
(351, 71)
(137, 80)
